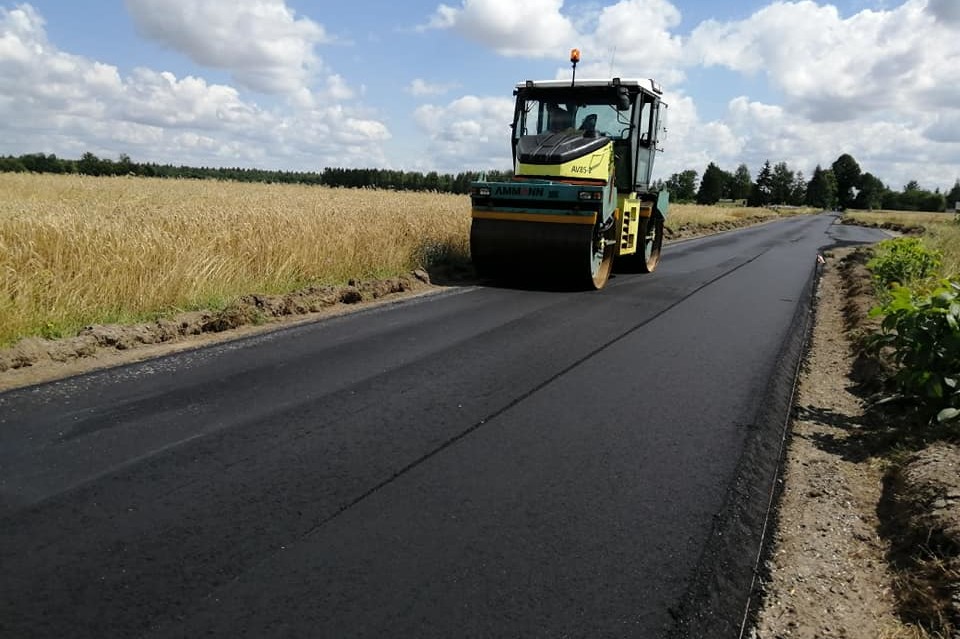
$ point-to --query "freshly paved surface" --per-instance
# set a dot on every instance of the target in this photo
(486, 462)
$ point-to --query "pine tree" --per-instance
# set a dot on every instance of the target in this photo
(712, 185)
(760, 194)
(799, 189)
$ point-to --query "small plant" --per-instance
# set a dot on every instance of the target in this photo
(923, 334)
(903, 260)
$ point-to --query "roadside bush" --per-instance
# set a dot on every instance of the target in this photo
(923, 334)
(903, 260)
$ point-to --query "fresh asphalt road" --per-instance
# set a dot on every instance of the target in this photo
(484, 462)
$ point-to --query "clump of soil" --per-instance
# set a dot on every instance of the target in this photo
(47, 357)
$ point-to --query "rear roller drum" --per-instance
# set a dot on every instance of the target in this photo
(647, 257)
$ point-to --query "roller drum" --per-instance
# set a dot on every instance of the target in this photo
(521, 251)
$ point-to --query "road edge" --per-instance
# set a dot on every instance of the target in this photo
(733, 557)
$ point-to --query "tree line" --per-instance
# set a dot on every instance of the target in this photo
(90, 164)
(841, 186)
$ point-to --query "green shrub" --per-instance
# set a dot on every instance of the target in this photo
(903, 260)
(923, 333)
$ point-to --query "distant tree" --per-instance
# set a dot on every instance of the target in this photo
(953, 196)
(40, 163)
(90, 164)
(848, 175)
(11, 164)
(781, 184)
(682, 186)
(822, 189)
(871, 191)
(741, 183)
(914, 198)
(762, 191)
(712, 185)
(798, 191)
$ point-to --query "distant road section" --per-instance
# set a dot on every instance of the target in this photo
(485, 462)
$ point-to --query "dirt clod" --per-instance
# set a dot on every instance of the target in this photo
(350, 295)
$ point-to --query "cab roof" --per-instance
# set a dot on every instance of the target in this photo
(646, 85)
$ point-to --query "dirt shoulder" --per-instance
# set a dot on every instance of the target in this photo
(848, 557)
(36, 360)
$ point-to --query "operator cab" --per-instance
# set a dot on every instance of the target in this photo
(556, 121)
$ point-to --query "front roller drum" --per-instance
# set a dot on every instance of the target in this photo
(575, 255)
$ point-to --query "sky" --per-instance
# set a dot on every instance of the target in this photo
(425, 85)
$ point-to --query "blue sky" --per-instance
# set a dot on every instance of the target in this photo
(425, 85)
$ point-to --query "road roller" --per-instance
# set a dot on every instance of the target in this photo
(581, 196)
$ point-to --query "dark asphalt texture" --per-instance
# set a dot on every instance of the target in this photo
(485, 462)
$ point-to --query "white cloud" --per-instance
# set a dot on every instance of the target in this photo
(692, 144)
(469, 133)
(56, 102)
(420, 87)
(531, 28)
(946, 11)
(944, 128)
(630, 38)
(262, 43)
(633, 38)
(833, 68)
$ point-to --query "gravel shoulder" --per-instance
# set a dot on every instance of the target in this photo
(848, 558)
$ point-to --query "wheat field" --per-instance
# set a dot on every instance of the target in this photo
(78, 250)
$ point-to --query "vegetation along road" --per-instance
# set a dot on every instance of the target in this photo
(481, 462)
